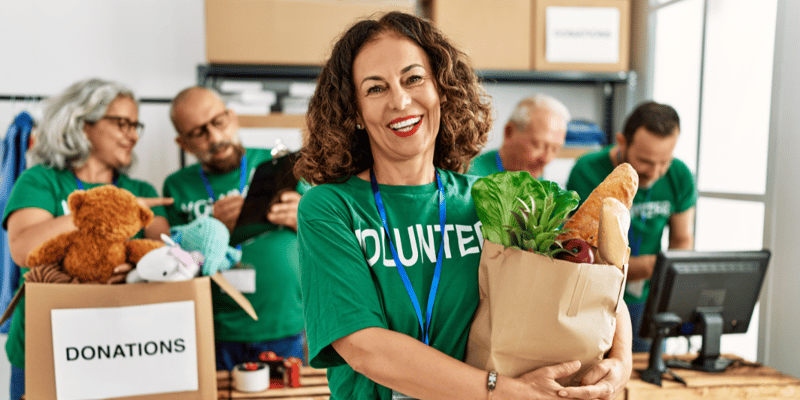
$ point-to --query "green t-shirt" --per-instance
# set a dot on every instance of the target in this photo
(350, 281)
(48, 189)
(484, 164)
(673, 193)
(272, 255)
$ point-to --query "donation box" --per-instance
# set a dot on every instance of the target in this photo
(131, 341)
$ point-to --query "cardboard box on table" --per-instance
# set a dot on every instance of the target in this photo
(535, 311)
(161, 336)
(581, 35)
(284, 32)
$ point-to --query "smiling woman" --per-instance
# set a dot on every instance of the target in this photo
(396, 116)
(86, 139)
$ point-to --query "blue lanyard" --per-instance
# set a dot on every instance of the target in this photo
(498, 161)
(80, 183)
(401, 270)
(242, 179)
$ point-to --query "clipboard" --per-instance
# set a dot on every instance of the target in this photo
(270, 179)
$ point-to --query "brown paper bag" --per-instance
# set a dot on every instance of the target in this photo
(535, 311)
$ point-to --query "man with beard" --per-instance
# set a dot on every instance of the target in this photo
(532, 137)
(216, 186)
(666, 195)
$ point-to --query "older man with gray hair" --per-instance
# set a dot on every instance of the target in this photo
(532, 138)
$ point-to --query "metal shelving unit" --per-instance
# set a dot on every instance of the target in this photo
(210, 74)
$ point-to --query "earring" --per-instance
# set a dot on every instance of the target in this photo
(359, 127)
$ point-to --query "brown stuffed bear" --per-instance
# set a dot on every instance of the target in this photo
(106, 217)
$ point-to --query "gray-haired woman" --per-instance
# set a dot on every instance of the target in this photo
(85, 140)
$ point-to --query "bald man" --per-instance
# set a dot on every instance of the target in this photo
(532, 138)
(216, 186)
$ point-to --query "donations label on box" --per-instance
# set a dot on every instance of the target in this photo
(582, 34)
(125, 351)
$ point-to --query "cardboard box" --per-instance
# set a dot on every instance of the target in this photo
(582, 35)
(285, 32)
(97, 341)
(495, 34)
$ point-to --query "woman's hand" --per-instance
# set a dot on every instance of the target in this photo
(285, 212)
(120, 273)
(150, 202)
(542, 382)
(611, 372)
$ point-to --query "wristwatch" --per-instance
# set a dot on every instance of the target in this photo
(491, 383)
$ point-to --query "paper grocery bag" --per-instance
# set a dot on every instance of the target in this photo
(535, 311)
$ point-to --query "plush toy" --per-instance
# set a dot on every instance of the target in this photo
(107, 217)
(210, 237)
(166, 264)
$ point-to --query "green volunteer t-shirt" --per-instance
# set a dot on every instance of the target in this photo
(48, 189)
(673, 193)
(484, 164)
(350, 281)
(272, 255)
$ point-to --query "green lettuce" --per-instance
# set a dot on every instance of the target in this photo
(519, 211)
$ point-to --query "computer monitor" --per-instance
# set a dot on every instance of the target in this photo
(702, 293)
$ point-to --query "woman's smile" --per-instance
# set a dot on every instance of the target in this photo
(407, 126)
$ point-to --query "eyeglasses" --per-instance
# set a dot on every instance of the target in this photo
(124, 124)
(220, 122)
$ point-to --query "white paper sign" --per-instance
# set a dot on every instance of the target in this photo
(582, 34)
(125, 351)
(242, 279)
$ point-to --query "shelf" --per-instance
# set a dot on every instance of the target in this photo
(575, 152)
(209, 74)
(254, 71)
(274, 120)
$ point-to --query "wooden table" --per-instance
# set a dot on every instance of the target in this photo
(743, 381)
(313, 386)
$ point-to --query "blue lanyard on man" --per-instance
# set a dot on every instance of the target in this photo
(242, 183)
(425, 327)
(499, 162)
(242, 179)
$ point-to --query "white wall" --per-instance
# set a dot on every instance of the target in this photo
(780, 342)
(152, 46)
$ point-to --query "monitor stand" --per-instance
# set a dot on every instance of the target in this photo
(661, 324)
(708, 359)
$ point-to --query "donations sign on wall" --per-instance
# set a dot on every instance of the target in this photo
(582, 34)
(125, 351)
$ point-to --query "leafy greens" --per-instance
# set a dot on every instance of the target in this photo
(519, 211)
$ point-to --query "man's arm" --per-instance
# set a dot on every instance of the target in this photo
(681, 235)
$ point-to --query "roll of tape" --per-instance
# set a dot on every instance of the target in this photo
(248, 380)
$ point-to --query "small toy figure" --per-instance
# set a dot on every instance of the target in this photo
(166, 264)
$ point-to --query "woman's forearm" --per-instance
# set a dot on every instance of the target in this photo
(409, 366)
(28, 228)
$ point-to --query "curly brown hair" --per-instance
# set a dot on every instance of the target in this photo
(334, 149)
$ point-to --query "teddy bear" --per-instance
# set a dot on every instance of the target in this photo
(106, 217)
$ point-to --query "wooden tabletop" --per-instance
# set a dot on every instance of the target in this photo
(742, 380)
(313, 386)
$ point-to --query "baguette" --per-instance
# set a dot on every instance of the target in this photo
(620, 184)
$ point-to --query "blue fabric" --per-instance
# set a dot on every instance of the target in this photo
(15, 144)
(640, 344)
(229, 354)
(17, 384)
